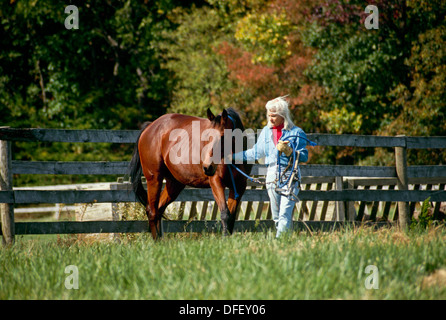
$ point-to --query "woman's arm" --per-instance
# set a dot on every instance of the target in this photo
(255, 153)
(303, 155)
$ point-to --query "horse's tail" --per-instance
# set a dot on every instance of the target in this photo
(135, 172)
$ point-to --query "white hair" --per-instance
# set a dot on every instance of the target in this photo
(280, 106)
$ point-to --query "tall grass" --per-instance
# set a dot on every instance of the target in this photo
(244, 266)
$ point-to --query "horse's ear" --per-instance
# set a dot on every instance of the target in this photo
(211, 116)
(224, 116)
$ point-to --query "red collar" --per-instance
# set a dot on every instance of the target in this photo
(277, 133)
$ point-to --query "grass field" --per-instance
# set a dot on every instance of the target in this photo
(244, 266)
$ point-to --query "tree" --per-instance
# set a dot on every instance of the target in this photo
(199, 75)
(267, 58)
(107, 74)
(376, 79)
(423, 101)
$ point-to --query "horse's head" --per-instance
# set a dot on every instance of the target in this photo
(214, 155)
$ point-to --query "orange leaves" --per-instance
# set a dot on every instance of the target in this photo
(242, 69)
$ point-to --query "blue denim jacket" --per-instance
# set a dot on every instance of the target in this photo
(265, 148)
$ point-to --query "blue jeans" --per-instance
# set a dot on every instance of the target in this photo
(281, 207)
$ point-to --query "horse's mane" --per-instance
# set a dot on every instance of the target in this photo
(235, 116)
(238, 121)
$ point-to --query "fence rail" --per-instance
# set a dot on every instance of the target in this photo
(105, 196)
(76, 227)
(130, 136)
(342, 191)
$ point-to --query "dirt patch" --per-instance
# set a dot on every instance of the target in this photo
(438, 279)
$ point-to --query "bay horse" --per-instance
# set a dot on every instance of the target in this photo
(173, 148)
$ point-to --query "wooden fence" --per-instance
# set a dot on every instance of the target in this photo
(343, 191)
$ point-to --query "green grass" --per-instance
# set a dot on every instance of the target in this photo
(244, 266)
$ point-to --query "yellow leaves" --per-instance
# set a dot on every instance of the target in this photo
(265, 35)
(342, 121)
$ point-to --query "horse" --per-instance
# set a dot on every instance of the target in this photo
(173, 148)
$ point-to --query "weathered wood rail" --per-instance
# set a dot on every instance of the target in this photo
(344, 194)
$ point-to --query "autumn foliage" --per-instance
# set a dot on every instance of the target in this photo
(132, 61)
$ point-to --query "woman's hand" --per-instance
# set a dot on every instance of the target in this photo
(283, 146)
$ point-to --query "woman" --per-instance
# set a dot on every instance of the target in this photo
(280, 127)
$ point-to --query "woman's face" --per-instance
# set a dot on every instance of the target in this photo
(275, 119)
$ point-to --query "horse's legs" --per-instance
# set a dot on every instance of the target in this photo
(234, 203)
(218, 190)
(154, 184)
(232, 206)
(169, 194)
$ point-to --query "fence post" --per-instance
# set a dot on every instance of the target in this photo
(402, 181)
(340, 206)
(7, 209)
(350, 210)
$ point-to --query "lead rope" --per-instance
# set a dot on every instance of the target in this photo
(286, 188)
(295, 168)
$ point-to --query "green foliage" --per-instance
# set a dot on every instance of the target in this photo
(107, 74)
(132, 61)
(358, 67)
(425, 218)
(340, 120)
(55, 77)
(266, 58)
(200, 76)
(424, 99)
(388, 81)
(266, 35)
